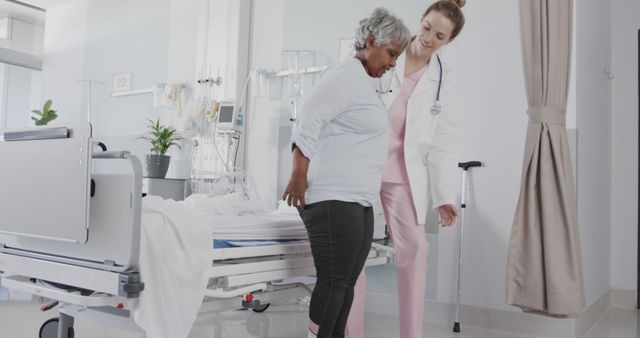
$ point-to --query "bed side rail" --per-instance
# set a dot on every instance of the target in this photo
(49, 211)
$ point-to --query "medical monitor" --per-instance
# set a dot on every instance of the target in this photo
(226, 116)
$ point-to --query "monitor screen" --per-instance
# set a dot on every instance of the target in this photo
(226, 114)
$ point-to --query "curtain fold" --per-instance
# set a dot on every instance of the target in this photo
(544, 267)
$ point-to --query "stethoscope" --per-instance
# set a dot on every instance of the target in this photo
(436, 108)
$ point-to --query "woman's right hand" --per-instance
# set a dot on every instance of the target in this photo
(294, 192)
(448, 214)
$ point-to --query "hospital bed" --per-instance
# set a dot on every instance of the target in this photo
(72, 236)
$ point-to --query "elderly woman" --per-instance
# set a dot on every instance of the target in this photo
(339, 150)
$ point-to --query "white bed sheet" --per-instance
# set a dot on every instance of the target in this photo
(232, 217)
(175, 257)
(175, 271)
(272, 226)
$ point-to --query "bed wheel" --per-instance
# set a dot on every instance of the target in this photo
(49, 329)
(262, 308)
(254, 304)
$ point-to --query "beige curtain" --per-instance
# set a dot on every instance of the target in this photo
(544, 272)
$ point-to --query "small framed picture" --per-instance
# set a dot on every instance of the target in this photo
(121, 82)
(346, 48)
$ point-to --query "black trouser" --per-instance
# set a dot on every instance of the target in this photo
(340, 234)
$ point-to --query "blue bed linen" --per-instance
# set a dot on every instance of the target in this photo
(220, 243)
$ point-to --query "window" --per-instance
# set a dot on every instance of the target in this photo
(21, 48)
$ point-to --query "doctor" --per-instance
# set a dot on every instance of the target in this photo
(420, 167)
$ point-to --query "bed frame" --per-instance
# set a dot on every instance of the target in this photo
(72, 237)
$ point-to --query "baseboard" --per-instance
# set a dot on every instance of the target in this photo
(625, 299)
(500, 320)
(592, 314)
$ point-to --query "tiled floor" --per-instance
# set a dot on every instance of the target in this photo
(23, 319)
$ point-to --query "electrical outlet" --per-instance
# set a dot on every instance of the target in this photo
(122, 82)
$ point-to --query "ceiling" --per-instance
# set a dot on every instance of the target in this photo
(43, 3)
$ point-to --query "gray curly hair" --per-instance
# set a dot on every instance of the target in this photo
(385, 28)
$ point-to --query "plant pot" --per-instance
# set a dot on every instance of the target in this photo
(157, 165)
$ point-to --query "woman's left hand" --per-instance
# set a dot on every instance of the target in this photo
(448, 214)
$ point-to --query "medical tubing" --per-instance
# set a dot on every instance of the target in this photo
(247, 123)
(244, 91)
(235, 156)
(214, 139)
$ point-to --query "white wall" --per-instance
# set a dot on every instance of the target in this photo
(594, 143)
(488, 61)
(138, 43)
(17, 96)
(227, 46)
(92, 40)
(156, 40)
(63, 59)
(624, 171)
(184, 22)
(263, 117)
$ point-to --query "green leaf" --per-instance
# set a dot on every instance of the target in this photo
(47, 105)
(46, 115)
(161, 137)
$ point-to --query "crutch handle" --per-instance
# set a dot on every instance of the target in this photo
(466, 165)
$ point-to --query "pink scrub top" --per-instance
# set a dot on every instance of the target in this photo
(394, 168)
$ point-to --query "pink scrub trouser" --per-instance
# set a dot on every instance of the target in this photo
(411, 247)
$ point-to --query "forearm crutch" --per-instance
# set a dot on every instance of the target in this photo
(463, 205)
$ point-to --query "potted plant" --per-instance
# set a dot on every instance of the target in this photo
(161, 138)
(45, 115)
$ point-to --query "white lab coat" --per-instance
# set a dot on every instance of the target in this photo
(431, 141)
